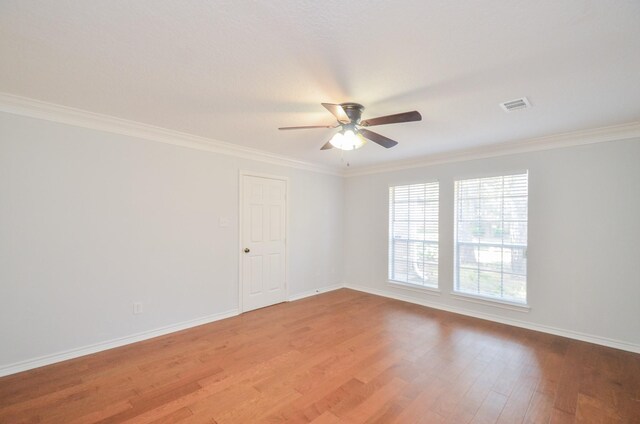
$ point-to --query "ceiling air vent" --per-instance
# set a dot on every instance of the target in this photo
(517, 104)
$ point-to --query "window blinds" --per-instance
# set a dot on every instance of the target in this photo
(413, 234)
(491, 237)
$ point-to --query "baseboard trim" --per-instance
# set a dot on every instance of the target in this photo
(110, 344)
(314, 292)
(138, 337)
(603, 341)
(99, 347)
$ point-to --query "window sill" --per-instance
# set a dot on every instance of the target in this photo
(416, 288)
(492, 302)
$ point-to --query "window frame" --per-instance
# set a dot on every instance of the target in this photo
(487, 299)
(434, 290)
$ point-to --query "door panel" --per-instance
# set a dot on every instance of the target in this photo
(275, 276)
(275, 214)
(255, 275)
(263, 224)
(256, 224)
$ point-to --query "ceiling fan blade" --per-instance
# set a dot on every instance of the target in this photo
(307, 127)
(327, 146)
(377, 138)
(338, 112)
(392, 119)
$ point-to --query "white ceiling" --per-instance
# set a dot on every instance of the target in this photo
(236, 70)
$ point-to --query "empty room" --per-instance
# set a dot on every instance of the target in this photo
(232, 212)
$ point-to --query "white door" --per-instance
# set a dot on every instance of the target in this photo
(263, 237)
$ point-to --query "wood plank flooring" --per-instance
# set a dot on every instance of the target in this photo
(339, 357)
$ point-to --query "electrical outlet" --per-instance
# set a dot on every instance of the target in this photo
(137, 308)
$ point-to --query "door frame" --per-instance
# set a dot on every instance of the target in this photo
(246, 173)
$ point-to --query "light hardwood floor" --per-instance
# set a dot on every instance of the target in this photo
(339, 357)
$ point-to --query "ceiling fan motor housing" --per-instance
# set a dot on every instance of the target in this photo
(353, 111)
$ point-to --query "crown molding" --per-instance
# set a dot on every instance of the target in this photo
(32, 108)
(576, 138)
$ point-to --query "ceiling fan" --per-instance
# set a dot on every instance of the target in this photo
(352, 134)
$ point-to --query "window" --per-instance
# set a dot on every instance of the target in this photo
(491, 237)
(413, 234)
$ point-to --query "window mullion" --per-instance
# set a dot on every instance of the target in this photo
(479, 215)
(502, 242)
(424, 232)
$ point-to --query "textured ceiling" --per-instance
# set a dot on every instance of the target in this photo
(236, 70)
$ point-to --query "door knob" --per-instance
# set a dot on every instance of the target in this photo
(247, 250)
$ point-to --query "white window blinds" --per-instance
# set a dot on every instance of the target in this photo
(491, 237)
(413, 234)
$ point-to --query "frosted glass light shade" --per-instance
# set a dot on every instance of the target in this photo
(347, 140)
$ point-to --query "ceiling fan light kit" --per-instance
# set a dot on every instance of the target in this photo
(348, 139)
(352, 135)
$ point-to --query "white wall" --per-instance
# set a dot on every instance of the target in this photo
(91, 222)
(584, 232)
